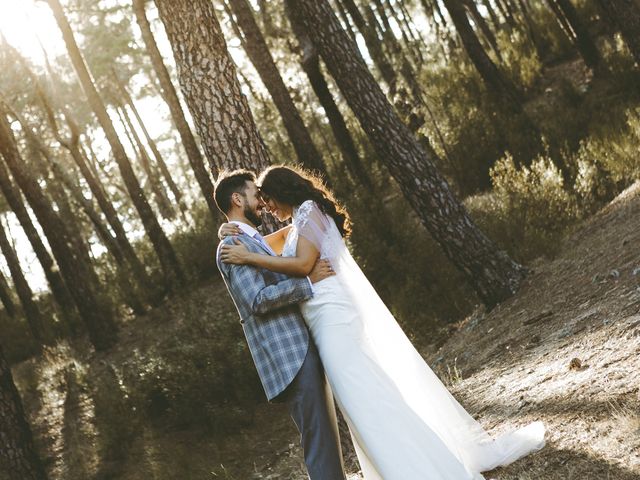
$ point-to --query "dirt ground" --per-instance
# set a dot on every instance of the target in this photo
(564, 350)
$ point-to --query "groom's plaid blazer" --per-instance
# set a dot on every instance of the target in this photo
(267, 303)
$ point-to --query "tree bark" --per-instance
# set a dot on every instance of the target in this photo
(209, 83)
(170, 96)
(258, 52)
(373, 44)
(483, 26)
(491, 272)
(310, 62)
(625, 15)
(41, 158)
(25, 294)
(81, 280)
(18, 456)
(5, 297)
(150, 141)
(566, 13)
(72, 144)
(153, 179)
(168, 260)
(344, 16)
(492, 14)
(507, 14)
(56, 283)
(495, 81)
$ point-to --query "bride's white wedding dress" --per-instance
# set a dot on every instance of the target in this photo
(404, 422)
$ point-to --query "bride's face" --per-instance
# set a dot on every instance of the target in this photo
(282, 211)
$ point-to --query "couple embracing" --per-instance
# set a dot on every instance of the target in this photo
(310, 315)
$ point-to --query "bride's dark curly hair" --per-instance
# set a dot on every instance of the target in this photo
(294, 185)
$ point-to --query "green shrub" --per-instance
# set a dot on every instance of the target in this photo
(202, 375)
(196, 245)
(519, 59)
(529, 208)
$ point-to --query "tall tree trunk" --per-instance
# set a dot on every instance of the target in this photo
(127, 288)
(258, 52)
(41, 159)
(495, 81)
(530, 28)
(153, 179)
(344, 16)
(25, 294)
(491, 272)
(18, 457)
(430, 7)
(81, 280)
(5, 297)
(625, 14)
(72, 144)
(209, 83)
(492, 14)
(310, 62)
(168, 260)
(398, 13)
(267, 22)
(373, 44)
(567, 14)
(150, 141)
(58, 288)
(170, 96)
(507, 14)
(483, 26)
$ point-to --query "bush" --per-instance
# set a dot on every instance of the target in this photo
(519, 58)
(201, 375)
(196, 246)
(528, 210)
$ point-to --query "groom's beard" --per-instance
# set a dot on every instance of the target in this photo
(252, 216)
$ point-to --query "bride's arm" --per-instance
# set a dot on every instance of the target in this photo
(298, 266)
(276, 239)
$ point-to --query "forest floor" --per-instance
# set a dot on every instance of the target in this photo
(564, 350)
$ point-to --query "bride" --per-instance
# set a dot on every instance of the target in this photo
(404, 423)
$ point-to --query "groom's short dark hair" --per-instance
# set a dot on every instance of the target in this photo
(228, 183)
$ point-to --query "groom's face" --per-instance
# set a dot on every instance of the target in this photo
(253, 204)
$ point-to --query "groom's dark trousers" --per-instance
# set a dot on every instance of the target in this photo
(313, 413)
(285, 356)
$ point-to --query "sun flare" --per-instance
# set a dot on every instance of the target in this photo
(28, 24)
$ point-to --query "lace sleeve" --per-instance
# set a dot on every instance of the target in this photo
(311, 223)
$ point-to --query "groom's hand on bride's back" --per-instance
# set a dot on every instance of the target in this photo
(321, 270)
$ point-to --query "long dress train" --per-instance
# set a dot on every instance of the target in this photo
(404, 422)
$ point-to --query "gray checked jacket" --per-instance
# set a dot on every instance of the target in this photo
(267, 303)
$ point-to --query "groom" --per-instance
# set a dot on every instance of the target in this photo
(285, 356)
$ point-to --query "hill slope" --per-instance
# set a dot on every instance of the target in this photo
(565, 350)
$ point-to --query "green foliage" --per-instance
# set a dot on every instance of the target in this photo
(607, 165)
(202, 375)
(196, 246)
(528, 210)
(519, 59)
(477, 129)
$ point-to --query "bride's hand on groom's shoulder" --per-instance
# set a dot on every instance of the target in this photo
(227, 229)
(236, 253)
